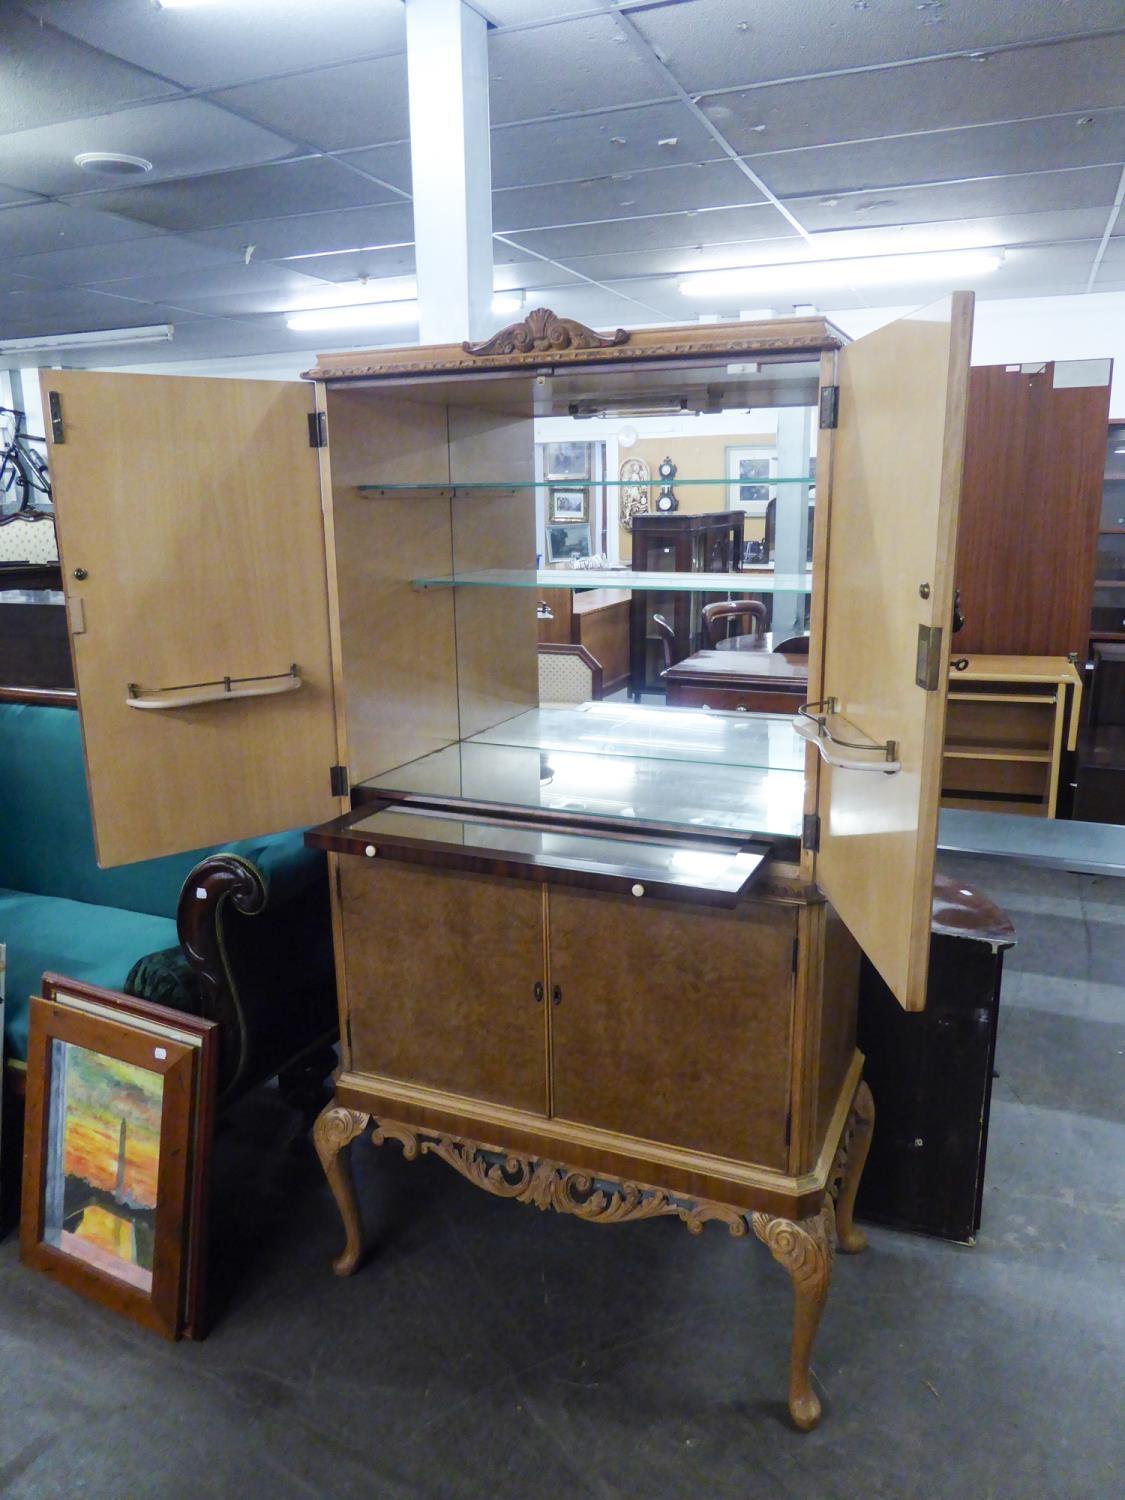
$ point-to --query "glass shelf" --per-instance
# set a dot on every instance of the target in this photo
(715, 773)
(492, 485)
(751, 580)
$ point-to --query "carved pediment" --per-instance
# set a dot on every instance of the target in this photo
(541, 332)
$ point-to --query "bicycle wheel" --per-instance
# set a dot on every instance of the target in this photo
(13, 484)
(35, 475)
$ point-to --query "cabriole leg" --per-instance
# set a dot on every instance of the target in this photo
(804, 1248)
(335, 1129)
(849, 1168)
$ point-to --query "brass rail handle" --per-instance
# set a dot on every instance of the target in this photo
(221, 690)
(814, 727)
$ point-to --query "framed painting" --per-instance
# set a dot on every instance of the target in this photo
(569, 504)
(749, 471)
(566, 460)
(565, 542)
(119, 1118)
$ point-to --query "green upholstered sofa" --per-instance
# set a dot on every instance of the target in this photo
(241, 935)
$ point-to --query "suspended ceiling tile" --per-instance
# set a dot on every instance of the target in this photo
(391, 163)
(48, 76)
(630, 195)
(72, 310)
(304, 185)
(656, 233)
(180, 137)
(154, 254)
(1089, 187)
(720, 43)
(10, 195)
(1072, 77)
(626, 140)
(12, 278)
(229, 44)
(38, 227)
(1054, 226)
(354, 265)
(578, 65)
(512, 12)
(354, 104)
(224, 290)
(990, 150)
(686, 259)
(513, 272)
(317, 233)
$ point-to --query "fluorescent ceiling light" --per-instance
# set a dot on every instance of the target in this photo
(377, 315)
(875, 271)
(366, 315)
(151, 333)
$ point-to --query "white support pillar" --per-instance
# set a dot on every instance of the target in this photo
(447, 65)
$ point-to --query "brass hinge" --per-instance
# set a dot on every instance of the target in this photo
(829, 406)
(927, 667)
(54, 404)
(338, 779)
(810, 832)
(318, 430)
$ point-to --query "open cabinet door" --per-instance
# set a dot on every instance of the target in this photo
(896, 461)
(192, 548)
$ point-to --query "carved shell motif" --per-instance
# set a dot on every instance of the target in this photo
(541, 332)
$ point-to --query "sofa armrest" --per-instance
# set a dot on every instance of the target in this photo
(260, 944)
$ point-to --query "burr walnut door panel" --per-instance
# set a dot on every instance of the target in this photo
(442, 970)
(672, 1023)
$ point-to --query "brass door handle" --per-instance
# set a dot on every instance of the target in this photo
(537, 992)
(556, 995)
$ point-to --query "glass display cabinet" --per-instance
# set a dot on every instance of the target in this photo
(1107, 617)
(597, 957)
(679, 543)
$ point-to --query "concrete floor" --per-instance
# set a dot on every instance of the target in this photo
(488, 1350)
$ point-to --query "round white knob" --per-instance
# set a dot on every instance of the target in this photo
(370, 851)
(638, 890)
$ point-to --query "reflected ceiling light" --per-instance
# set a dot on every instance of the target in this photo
(151, 333)
(378, 315)
(875, 271)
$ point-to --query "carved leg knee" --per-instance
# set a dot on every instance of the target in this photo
(848, 1169)
(335, 1129)
(804, 1249)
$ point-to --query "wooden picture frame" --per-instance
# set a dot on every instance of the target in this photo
(123, 1221)
(566, 542)
(569, 504)
(566, 460)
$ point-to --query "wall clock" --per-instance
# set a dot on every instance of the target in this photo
(666, 501)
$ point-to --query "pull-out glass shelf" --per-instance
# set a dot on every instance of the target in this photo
(491, 486)
(673, 768)
(532, 847)
(748, 581)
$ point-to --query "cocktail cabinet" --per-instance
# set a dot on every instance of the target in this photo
(601, 958)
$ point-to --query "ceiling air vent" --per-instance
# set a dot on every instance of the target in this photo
(112, 164)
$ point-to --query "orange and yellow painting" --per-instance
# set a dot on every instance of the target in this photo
(103, 1160)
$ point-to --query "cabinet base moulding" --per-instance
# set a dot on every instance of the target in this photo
(803, 1247)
